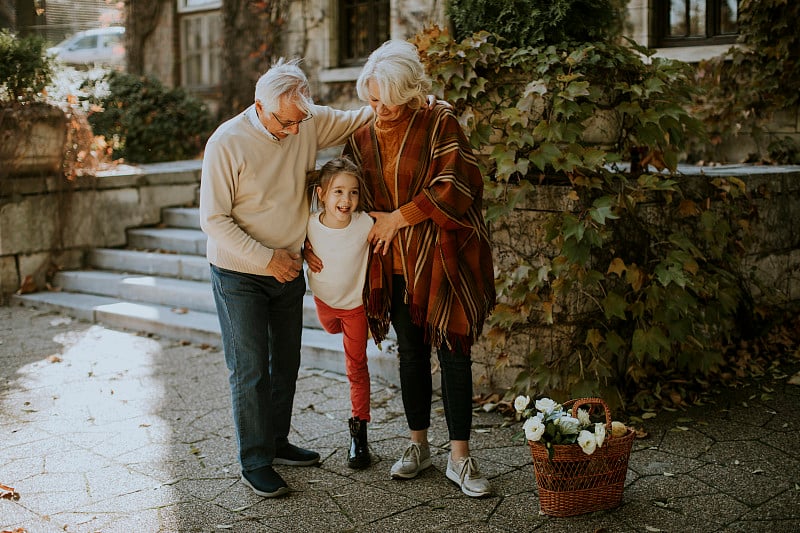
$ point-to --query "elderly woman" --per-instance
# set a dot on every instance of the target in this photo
(431, 273)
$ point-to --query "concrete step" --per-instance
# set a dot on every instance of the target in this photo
(178, 293)
(161, 285)
(181, 217)
(178, 240)
(181, 266)
(158, 290)
(320, 350)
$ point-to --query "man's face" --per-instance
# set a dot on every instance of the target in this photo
(283, 122)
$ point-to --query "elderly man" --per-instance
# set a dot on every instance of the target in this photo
(254, 209)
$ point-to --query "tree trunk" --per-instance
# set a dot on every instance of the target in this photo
(28, 13)
(251, 43)
(141, 18)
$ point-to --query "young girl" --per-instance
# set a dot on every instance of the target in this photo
(338, 236)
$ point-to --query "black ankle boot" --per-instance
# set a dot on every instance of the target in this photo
(358, 456)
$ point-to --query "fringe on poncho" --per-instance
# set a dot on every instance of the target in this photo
(447, 259)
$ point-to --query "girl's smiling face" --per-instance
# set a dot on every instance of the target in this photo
(340, 199)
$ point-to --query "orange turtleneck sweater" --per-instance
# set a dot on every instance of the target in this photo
(390, 142)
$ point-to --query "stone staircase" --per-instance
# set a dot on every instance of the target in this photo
(160, 284)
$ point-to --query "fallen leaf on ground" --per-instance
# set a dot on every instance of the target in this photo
(8, 493)
(27, 286)
(794, 380)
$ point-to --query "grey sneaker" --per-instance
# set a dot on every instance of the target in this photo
(466, 475)
(414, 460)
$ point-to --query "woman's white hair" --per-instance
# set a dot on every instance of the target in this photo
(284, 78)
(399, 74)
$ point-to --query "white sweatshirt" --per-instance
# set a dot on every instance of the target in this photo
(344, 253)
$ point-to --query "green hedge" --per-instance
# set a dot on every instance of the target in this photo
(146, 122)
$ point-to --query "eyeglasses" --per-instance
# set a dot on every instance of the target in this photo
(291, 123)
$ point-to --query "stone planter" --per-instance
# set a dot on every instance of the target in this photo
(32, 137)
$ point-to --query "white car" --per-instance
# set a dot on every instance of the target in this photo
(100, 46)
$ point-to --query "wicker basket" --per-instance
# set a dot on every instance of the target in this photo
(573, 483)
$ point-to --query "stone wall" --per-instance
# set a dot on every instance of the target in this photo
(48, 223)
(774, 259)
(45, 222)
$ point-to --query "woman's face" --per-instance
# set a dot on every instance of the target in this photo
(382, 111)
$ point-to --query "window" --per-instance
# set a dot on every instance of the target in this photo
(185, 6)
(201, 38)
(85, 43)
(697, 22)
(363, 26)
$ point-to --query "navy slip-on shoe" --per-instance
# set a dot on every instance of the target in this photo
(266, 482)
(292, 455)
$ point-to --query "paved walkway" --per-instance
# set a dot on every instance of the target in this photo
(106, 431)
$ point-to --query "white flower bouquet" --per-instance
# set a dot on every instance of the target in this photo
(580, 463)
(547, 422)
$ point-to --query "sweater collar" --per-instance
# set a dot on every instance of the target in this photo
(252, 115)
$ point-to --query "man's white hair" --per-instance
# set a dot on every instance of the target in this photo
(284, 78)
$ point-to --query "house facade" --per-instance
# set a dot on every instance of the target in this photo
(335, 36)
(56, 19)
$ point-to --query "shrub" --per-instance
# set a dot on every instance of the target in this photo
(543, 23)
(25, 70)
(146, 122)
(640, 275)
(743, 88)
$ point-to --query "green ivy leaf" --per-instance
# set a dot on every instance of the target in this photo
(614, 305)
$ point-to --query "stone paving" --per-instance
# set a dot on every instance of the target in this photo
(107, 431)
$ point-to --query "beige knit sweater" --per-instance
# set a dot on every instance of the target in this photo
(253, 187)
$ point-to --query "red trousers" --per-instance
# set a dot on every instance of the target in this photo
(352, 324)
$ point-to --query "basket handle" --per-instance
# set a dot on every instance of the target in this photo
(576, 404)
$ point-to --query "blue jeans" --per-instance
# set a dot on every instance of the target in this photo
(415, 373)
(261, 320)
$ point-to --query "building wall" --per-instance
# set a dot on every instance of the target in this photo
(62, 18)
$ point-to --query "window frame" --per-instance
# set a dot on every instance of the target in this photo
(189, 6)
(373, 25)
(713, 34)
(209, 77)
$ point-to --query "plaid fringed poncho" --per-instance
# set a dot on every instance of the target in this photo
(447, 260)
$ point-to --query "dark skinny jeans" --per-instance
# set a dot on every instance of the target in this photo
(415, 373)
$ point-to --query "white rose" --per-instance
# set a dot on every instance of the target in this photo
(546, 405)
(534, 428)
(599, 433)
(521, 402)
(568, 424)
(587, 442)
(583, 417)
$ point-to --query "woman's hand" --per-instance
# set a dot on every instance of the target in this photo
(384, 230)
(314, 263)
